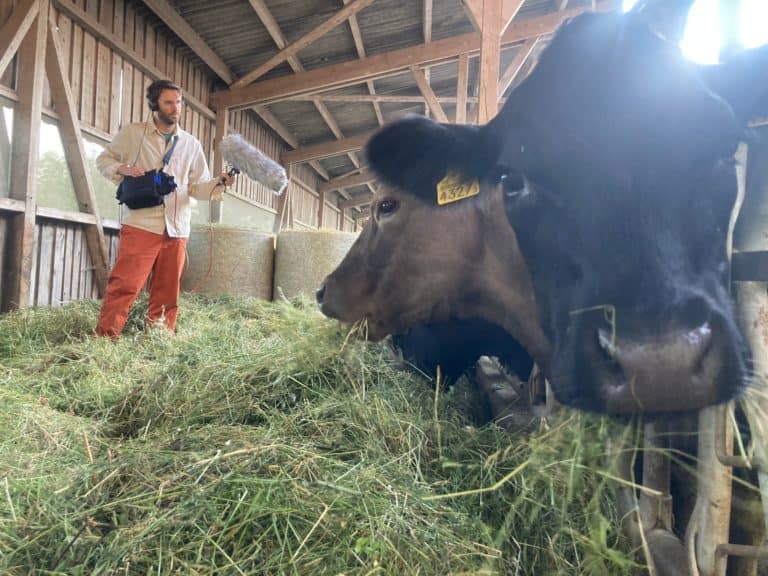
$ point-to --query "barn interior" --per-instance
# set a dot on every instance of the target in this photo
(307, 82)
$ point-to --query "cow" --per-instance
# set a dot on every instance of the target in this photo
(612, 167)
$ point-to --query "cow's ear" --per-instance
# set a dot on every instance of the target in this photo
(742, 81)
(415, 153)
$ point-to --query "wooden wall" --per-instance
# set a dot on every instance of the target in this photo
(62, 267)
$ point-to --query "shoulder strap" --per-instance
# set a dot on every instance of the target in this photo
(167, 157)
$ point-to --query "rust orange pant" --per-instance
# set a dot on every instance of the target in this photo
(140, 253)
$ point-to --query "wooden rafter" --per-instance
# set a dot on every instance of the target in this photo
(386, 64)
(490, 49)
(15, 29)
(364, 177)
(474, 11)
(264, 14)
(514, 67)
(462, 78)
(360, 48)
(357, 201)
(429, 95)
(294, 48)
(326, 149)
(377, 98)
(169, 15)
(427, 20)
(74, 152)
(17, 264)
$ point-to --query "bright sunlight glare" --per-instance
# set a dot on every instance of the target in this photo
(701, 41)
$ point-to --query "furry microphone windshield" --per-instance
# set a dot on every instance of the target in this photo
(245, 157)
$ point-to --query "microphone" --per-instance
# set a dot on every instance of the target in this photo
(244, 157)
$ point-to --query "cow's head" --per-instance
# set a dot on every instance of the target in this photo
(620, 184)
(438, 245)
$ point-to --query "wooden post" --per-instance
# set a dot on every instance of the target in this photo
(321, 210)
(490, 50)
(222, 126)
(75, 154)
(26, 143)
(461, 89)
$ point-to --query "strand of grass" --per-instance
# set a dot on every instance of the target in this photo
(103, 480)
(436, 413)
(493, 488)
(8, 498)
(221, 550)
(311, 530)
(737, 436)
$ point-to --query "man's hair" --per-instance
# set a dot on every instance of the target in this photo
(154, 90)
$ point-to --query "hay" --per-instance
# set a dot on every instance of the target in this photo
(261, 440)
(305, 257)
(226, 260)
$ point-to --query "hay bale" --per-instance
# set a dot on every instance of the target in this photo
(305, 257)
(242, 262)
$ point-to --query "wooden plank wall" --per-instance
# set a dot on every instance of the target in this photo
(108, 90)
(62, 269)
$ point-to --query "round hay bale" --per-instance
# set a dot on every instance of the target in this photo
(305, 257)
(242, 262)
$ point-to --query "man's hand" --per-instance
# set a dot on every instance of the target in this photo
(128, 170)
(226, 179)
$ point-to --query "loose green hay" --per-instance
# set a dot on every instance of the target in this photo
(261, 440)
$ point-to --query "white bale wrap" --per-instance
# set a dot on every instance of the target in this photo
(305, 257)
(242, 262)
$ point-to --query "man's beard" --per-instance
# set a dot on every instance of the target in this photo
(166, 119)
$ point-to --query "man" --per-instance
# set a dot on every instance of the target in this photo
(154, 239)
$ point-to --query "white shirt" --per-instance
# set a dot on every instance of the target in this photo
(142, 144)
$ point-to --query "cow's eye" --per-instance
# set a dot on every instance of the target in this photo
(513, 185)
(386, 207)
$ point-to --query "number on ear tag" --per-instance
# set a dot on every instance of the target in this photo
(452, 189)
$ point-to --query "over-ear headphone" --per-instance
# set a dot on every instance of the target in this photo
(154, 90)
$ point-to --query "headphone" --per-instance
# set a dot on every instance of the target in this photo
(154, 90)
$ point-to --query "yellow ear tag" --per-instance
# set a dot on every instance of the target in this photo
(452, 189)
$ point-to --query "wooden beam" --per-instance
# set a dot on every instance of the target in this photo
(429, 95)
(74, 152)
(427, 20)
(271, 121)
(489, 61)
(375, 98)
(168, 14)
(222, 127)
(15, 29)
(356, 201)
(326, 149)
(17, 273)
(474, 11)
(264, 14)
(364, 177)
(12, 205)
(386, 64)
(106, 36)
(293, 49)
(320, 209)
(360, 47)
(509, 9)
(461, 89)
(514, 67)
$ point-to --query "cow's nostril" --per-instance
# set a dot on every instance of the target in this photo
(320, 294)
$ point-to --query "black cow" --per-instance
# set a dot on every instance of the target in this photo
(615, 157)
